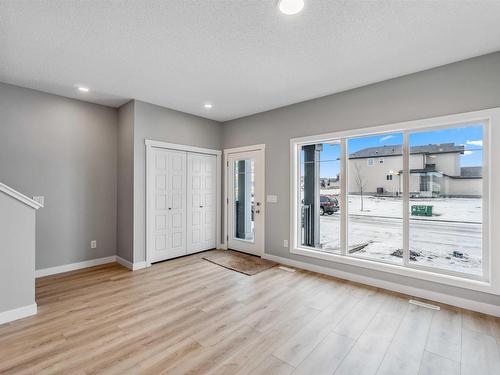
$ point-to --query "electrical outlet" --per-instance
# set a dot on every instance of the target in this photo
(93, 244)
(285, 243)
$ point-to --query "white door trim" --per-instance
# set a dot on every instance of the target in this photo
(245, 148)
(227, 151)
(187, 148)
(174, 146)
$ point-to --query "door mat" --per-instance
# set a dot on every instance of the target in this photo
(239, 262)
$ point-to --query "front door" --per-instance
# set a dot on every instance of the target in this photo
(245, 210)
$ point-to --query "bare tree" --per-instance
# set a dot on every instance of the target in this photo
(360, 182)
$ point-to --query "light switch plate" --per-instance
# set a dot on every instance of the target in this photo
(272, 199)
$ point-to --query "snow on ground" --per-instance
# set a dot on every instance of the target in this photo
(433, 239)
(454, 209)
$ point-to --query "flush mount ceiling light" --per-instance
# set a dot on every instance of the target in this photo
(290, 6)
(207, 105)
(83, 89)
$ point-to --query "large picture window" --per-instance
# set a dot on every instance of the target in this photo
(445, 195)
(411, 198)
(319, 196)
(375, 202)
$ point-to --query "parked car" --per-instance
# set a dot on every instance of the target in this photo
(328, 204)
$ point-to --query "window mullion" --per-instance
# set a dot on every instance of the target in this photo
(343, 197)
(406, 200)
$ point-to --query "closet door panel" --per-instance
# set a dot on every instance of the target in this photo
(159, 201)
(177, 189)
(202, 172)
(210, 202)
(195, 203)
(209, 231)
(183, 203)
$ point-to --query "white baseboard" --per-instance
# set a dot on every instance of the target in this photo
(131, 266)
(139, 266)
(19, 313)
(74, 266)
(412, 291)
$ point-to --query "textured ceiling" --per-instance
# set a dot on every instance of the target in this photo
(243, 56)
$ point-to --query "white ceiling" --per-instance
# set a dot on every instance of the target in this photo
(243, 56)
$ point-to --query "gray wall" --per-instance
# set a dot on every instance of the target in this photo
(465, 86)
(162, 124)
(65, 150)
(125, 207)
(17, 252)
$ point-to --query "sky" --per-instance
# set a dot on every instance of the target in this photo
(470, 136)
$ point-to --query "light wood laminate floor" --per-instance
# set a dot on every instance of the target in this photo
(191, 316)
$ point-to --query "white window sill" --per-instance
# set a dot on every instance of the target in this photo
(460, 282)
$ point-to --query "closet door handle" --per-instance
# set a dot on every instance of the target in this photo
(201, 206)
(170, 208)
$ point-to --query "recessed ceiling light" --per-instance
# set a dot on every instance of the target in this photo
(290, 6)
(207, 105)
(83, 89)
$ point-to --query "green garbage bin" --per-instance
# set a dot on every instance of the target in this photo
(421, 210)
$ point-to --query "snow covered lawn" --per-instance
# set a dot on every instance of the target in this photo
(454, 209)
(450, 240)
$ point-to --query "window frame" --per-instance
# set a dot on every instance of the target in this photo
(468, 281)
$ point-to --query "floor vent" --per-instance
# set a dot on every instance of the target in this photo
(423, 304)
(286, 269)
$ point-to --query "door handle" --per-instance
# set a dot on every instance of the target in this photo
(257, 211)
(201, 206)
(170, 208)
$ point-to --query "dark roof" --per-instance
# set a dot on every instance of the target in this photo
(471, 171)
(395, 150)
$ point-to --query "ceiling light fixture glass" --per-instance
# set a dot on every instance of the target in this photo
(290, 6)
(208, 105)
(83, 89)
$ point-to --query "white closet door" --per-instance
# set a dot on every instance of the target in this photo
(177, 187)
(201, 202)
(209, 202)
(167, 181)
